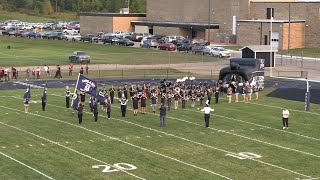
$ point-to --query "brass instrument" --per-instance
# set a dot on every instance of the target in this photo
(177, 89)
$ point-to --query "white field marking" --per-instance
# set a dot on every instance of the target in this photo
(67, 142)
(138, 137)
(70, 149)
(79, 142)
(205, 144)
(297, 134)
(148, 136)
(103, 140)
(42, 144)
(3, 147)
(91, 141)
(17, 146)
(117, 139)
(30, 145)
(262, 126)
(26, 166)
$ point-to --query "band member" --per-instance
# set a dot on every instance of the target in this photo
(176, 100)
(246, 93)
(250, 92)
(135, 103)
(119, 92)
(217, 93)
(95, 111)
(207, 111)
(123, 102)
(243, 92)
(237, 91)
(111, 90)
(201, 99)
(67, 97)
(285, 118)
(43, 103)
(193, 100)
(209, 94)
(183, 100)
(26, 105)
(163, 98)
(229, 94)
(143, 103)
(131, 90)
(154, 102)
(80, 112)
(108, 107)
(91, 102)
(256, 90)
(82, 97)
(163, 112)
(169, 100)
(125, 91)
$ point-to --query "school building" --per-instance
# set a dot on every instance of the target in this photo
(295, 23)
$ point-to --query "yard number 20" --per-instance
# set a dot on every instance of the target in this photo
(117, 167)
(245, 155)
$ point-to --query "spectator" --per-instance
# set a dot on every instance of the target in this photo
(87, 72)
(33, 73)
(38, 71)
(46, 70)
(6, 74)
(71, 69)
(81, 70)
(58, 72)
(14, 73)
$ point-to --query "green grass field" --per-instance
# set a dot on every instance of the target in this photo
(244, 141)
(39, 52)
(5, 15)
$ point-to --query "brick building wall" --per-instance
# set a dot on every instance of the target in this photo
(296, 35)
(124, 23)
(308, 11)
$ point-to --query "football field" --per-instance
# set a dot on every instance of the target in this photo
(244, 141)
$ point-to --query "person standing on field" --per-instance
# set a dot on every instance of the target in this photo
(163, 112)
(207, 111)
(285, 118)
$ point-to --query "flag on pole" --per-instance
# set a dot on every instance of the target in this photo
(27, 94)
(75, 101)
(100, 96)
(86, 85)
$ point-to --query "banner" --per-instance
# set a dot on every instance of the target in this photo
(86, 85)
(75, 101)
(27, 94)
(100, 96)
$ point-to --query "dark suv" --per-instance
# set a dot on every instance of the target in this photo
(89, 38)
(109, 39)
(187, 47)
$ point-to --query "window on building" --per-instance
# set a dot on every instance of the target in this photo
(270, 13)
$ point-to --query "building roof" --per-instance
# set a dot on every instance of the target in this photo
(285, 1)
(261, 48)
(273, 21)
(113, 14)
(176, 24)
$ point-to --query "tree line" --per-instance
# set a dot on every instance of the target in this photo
(51, 6)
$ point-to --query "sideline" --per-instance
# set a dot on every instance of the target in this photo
(113, 138)
(26, 165)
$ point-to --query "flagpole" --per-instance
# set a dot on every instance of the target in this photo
(271, 50)
(75, 89)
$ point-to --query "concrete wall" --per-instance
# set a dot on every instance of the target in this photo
(307, 11)
(94, 24)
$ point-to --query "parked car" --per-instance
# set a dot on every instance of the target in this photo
(56, 35)
(70, 31)
(145, 44)
(168, 46)
(109, 39)
(6, 32)
(220, 52)
(187, 47)
(46, 35)
(89, 38)
(73, 37)
(19, 33)
(151, 42)
(200, 42)
(79, 57)
(125, 42)
(198, 49)
(33, 35)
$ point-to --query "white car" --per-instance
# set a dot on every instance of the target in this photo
(220, 52)
(73, 37)
(70, 31)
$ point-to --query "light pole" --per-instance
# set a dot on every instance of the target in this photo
(56, 5)
(271, 49)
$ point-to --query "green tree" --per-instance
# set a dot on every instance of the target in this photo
(47, 7)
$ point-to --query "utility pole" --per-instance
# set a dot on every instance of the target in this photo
(289, 31)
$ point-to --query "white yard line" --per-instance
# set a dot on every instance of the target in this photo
(117, 139)
(13, 159)
(205, 145)
(70, 149)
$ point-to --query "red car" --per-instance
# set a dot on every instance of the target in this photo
(167, 46)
